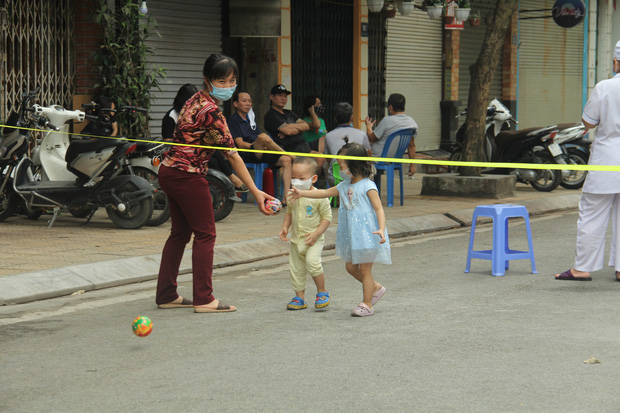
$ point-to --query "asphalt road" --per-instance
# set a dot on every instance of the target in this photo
(441, 340)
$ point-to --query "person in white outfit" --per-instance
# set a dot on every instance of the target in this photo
(600, 197)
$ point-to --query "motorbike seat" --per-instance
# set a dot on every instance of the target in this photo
(78, 147)
(562, 126)
(508, 136)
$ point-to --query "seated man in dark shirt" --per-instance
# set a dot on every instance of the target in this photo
(284, 126)
(247, 135)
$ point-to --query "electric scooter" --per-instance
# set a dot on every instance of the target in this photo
(96, 180)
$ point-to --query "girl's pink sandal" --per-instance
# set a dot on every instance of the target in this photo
(362, 310)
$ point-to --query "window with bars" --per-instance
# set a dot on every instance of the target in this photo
(377, 31)
(37, 50)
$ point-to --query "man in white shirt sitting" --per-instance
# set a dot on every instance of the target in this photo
(396, 120)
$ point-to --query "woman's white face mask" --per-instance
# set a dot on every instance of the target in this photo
(302, 185)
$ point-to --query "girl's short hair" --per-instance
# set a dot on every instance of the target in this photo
(357, 167)
(185, 92)
(218, 66)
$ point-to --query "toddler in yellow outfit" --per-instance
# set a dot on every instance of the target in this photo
(307, 219)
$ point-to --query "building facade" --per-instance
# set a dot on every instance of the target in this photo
(339, 51)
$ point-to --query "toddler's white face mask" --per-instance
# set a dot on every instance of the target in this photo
(302, 185)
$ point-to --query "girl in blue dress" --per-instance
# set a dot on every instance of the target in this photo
(361, 238)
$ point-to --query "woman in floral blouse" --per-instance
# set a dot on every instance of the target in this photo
(181, 176)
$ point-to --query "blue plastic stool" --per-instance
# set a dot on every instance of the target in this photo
(501, 253)
(259, 168)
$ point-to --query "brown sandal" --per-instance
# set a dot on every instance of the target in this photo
(185, 303)
(221, 308)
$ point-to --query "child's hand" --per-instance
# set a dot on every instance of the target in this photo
(283, 234)
(380, 233)
(311, 238)
(293, 195)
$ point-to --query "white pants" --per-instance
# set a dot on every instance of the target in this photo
(594, 212)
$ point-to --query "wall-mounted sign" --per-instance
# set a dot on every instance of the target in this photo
(568, 13)
(364, 29)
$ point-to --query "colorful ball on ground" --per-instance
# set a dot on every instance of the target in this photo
(273, 205)
(142, 326)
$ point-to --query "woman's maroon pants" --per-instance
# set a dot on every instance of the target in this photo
(191, 212)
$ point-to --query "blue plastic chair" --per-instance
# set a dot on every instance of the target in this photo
(403, 137)
(334, 201)
(501, 253)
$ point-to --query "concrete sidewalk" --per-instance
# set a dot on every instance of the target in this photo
(37, 262)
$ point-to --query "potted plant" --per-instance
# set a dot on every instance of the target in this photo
(391, 12)
(375, 6)
(405, 8)
(474, 19)
(434, 8)
(462, 12)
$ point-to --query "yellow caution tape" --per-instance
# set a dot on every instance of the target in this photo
(508, 165)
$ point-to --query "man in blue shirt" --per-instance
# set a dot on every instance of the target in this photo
(247, 135)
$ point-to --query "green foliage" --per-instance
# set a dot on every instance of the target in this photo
(124, 74)
(428, 3)
(464, 4)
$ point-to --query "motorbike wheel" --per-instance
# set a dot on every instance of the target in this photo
(576, 179)
(222, 204)
(8, 203)
(546, 179)
(161, 209)
(136, 215)
(457, 155)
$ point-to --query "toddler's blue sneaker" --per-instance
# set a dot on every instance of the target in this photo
(296, 304)
(322, 300)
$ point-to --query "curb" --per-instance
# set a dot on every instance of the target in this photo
(57, 282)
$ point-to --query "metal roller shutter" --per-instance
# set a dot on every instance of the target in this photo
(550, 69)
(190, 31)
(471, 42)
(414, 69)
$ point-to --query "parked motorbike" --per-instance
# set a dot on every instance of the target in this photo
(13, 146)
(145, 162)
(571, 137)
(96, 180)
(532, 145)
